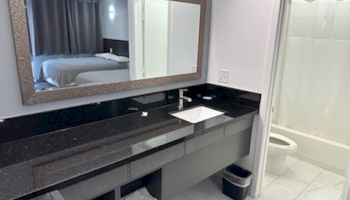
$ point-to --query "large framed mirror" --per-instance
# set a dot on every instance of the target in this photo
(74, 48)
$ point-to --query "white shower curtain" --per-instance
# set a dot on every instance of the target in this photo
(314, 93)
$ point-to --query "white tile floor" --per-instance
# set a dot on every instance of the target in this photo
(303, 181)
(209, 189)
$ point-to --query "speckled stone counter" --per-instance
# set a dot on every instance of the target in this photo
(38, 164)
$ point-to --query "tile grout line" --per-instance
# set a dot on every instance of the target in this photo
(313, 180)
(270, 183)
(294, 163)
(281, 175)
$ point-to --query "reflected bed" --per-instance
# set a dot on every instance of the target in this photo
(104, 76)
(62, 72)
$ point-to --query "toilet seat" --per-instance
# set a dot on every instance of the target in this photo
(290, 144)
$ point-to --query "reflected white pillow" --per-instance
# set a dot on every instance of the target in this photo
(113, 57)
(120, 59)
(103, 55)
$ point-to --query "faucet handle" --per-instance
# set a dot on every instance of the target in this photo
(184, 90)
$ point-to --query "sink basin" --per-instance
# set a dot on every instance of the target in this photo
(197, 114)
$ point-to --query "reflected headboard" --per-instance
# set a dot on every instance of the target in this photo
(119, 47)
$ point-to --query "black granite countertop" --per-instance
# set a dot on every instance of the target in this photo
(85, 149)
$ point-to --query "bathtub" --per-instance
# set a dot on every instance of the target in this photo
(325, 152)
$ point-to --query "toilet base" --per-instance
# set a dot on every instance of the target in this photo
(276, 165)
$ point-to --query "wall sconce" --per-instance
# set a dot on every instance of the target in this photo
(111, 12)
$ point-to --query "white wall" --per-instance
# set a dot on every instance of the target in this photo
(170, 40)
(243, 39)
(116, 28)
(136, 44)
(184, 25)
(10, 96)
(156, 38)
(239, 42)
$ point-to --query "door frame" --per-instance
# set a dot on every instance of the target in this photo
(346, 190)
(263, 122)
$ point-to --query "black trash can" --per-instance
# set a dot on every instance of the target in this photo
(236, 182)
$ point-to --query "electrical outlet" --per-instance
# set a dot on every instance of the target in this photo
(224, 76)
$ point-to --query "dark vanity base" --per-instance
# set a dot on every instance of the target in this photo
(169, 171)
(96, 141)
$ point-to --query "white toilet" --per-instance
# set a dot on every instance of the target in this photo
(279, 147)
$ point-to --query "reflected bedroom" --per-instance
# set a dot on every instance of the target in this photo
(89, 42)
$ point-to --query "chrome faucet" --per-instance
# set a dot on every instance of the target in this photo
(182, 98)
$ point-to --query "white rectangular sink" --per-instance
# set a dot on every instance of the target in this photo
(197, 114)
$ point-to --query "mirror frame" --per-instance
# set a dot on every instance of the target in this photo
(23, 58)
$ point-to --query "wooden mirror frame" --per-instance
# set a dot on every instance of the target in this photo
(23, 58)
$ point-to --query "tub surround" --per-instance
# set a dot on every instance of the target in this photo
(314, 148)
(79, 143)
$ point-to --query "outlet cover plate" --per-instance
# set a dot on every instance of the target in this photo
(224, 76)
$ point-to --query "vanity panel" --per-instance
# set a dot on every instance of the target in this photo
(204, 140)
(238, 126)
(74, 166)
(195, 167)
(97, 185)
(156, 161)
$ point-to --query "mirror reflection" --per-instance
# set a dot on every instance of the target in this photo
(84, 42)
